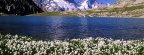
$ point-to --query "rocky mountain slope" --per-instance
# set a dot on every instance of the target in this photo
(69, 5)
(122, 8)
(127, 3)
(18, 7)
(58, 5)
(125, 8)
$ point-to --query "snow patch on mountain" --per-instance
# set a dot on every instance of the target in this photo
(90, 4)
(84, 5)
(67, 5)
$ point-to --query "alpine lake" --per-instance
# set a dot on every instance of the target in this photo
(60, 28)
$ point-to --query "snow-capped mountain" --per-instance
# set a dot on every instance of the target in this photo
(50, 5)
(89, 4)
(69, 5)
(57, 5)
(84, 5)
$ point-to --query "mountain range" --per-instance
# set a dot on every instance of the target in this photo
(26, 7)
(122, 8)
(68, 5)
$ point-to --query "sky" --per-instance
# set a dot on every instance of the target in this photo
(104, 1)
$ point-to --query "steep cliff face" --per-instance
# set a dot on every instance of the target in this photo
(19, 7)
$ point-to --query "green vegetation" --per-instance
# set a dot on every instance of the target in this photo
(55, 14)
(125, 9)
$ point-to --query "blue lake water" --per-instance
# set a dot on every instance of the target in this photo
(72, 27)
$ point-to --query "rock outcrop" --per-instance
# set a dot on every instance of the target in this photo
(19, 7)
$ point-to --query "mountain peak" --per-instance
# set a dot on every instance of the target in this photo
(69, 5)
(90, 4)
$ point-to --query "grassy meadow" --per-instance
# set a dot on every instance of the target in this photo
(22, 45)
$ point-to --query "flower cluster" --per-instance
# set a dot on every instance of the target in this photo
(21, 45)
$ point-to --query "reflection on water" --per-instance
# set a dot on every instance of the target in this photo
(83, 28)
(57, 31)
(72, 27)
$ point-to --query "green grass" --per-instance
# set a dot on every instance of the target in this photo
(55, 14)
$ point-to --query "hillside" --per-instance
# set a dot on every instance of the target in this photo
(122, 8)
(18, 7)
